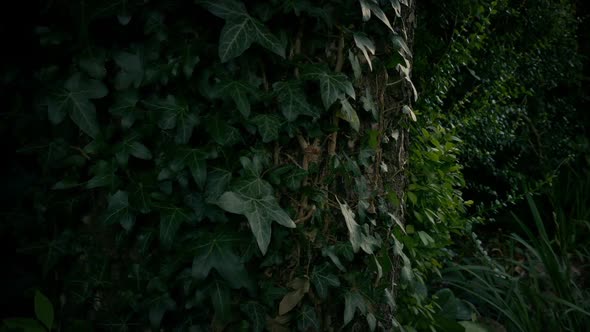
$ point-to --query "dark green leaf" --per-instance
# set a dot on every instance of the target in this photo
(195, 160)
(268, 126)
(170, 220)
(366, 46)
(44, 310)
(93, 66)
(216, 251)
(224, 8)
(261, 208)
(104, 175)
(292, 101)
(322, 279)
(221, 132)
(307, 319)
(158, 307)
(333, 86)
(118, 211)
(220, 298)
(24, 324)
(139, 150)
(131, 73)
(353, 301)
(124, 106)
(256, 313)
(236, 37)
(238, 91)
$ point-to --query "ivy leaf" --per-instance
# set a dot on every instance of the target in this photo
(172, 115)
(138, 150)
(372, 321)
(221, 300)
(307, 319)
(332, 85)
(292, 100)
(371, 6)
(124, 106)
(195, 160)
(93, 66)
(266, 39)
(322, 279)
(238, 91)
(268, 126)
(260, 207)
(104, 175)
(24, 324)
(118, 211)
(44, 310)
(170, 220)
(366, 46)
(131, 70)
(400, 45)
(75, 100)
(294, 178)
(353, 301)
(356, 66)
(397, 7)
(224, 8)
(215, 251)
(357, 237)
(293, 298)
(240, 31)
(348, 114)
(236, 37)
(221, 132)
(158, 307)
(256, 313)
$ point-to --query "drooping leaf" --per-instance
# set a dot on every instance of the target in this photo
(372, 321)
(253, 199)
(268, 126)
(118, 211)
(291, 300)
(292, 101)
(356, 66)
(371, 6)
(366, 46)
(397, 7)
(44, 310)
(24, 324)
(256, 313)
(216, 251)
(322, 279)
(358, 238)
(333, 86)
(348, 114)
(400, 45)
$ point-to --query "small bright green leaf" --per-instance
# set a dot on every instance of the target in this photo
(256, 313)
(44, 310)
(268, 126)
(322, 279)
(118, 211)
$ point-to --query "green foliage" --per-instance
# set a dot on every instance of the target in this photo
(534, 288)
(181, 163)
